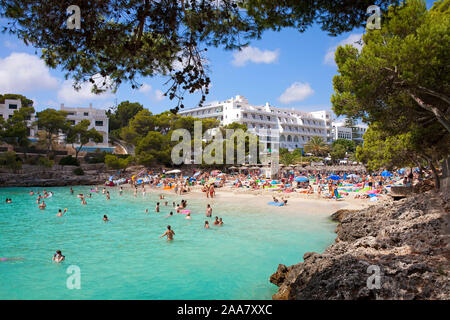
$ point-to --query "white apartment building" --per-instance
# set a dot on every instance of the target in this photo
(98, 120)
(341, 132)
(355, 133)
(7, 110)
(295, 127)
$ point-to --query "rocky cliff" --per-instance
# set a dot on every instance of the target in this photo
(35, 176)
(404, 245)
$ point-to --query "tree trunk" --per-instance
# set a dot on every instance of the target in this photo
(437, 181)
(440, 116)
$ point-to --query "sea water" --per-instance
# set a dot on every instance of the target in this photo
(125, 259)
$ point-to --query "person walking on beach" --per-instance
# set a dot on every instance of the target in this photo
(208, 211)
(169, 233)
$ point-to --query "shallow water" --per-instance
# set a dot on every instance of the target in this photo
(125, 259)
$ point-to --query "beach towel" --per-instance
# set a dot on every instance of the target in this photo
(279, 204)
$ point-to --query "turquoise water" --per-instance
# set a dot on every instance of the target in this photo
(125, 259)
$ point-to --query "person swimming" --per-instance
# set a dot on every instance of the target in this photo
(146, 211)
(42, 205)
(105, 218)
(188, 216)
(216, 221)
(208, 211)
(220, 222)
(60, 213)
(8, 200)
(58, 257)
(169, 215)
(206, 224)
(169, 233)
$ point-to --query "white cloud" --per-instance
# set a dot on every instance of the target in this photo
(296, 92)
(352, 39)
(255, 55)
(159, 95)
(10, 45)
(154, 95)
(67, 94)
(145, 88)
(22, 72)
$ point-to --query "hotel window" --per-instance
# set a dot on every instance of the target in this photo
(261, 117)
(10, 116)
(71, 113)
(99, 123)
(86, 114)
(72, 122)
(13, 106)
(268, 118)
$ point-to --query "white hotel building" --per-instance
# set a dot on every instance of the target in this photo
(98, 120)
(97, 117)
(295, 127)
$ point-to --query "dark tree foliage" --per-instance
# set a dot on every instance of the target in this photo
(120, 40)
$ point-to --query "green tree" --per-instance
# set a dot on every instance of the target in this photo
(349, 145)
(81, 134)
(128, 39)
(338, 151)
(402, 73)
(116, 163)
(15, 130)
(121, 115)
(52, 123)
(316, 146)
(24, 100)
(418, 147)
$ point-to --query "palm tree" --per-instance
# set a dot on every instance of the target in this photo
(316, 146)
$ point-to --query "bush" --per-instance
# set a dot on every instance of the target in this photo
(69, 161)
(11, 161)
(113, 162)
(96, 157)
(78, 172)
(45, 162)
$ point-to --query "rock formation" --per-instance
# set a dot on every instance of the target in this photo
(405, 242)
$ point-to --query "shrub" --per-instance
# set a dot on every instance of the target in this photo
(11, 161)
(45, 162)
(69, 161)
(96, 157)
(113, 162)
(78, 172)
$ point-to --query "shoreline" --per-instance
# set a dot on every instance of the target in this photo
(406, 241)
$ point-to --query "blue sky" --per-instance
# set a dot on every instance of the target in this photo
(287, 68)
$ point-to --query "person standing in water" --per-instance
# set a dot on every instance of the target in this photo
(206, 224)
(157, 207)
(60, 214)
(120, 191)
(71, 190)
(169, 233)
(107, 195)
(58, 257)
(208, 211)
(216, 221)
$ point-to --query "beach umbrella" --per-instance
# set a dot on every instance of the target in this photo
(401, 171)
(386, 173)
(301, 179)
(334, 177)
(351, 176)
(196, 174)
